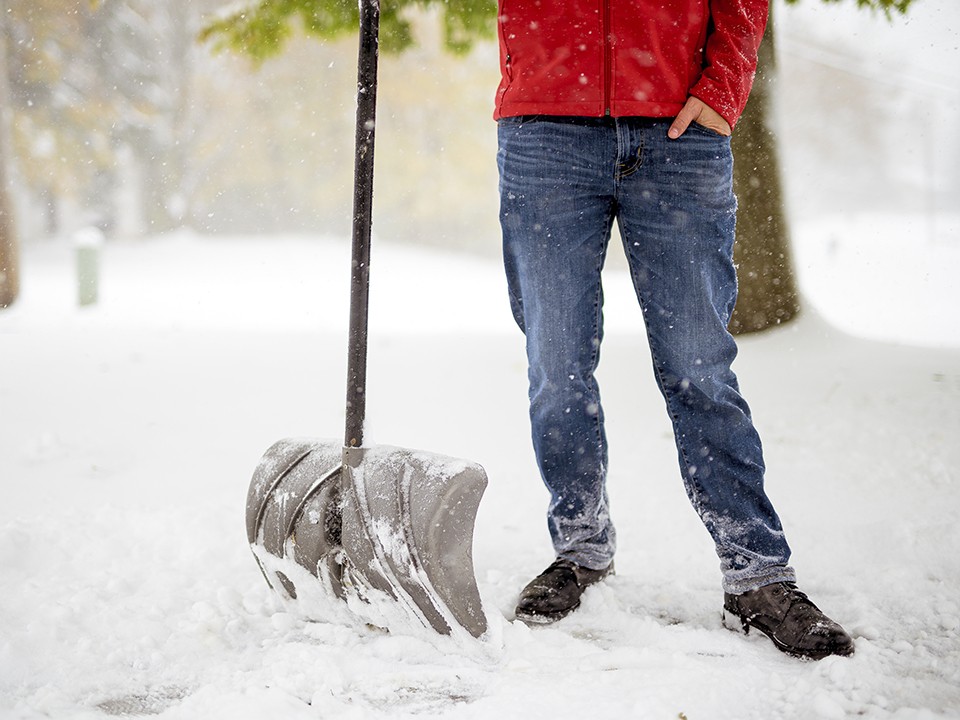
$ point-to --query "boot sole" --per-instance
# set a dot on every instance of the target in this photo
(528, 618)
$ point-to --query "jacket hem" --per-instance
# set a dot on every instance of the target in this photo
(617, 109)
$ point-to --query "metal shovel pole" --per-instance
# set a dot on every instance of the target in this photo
(362, 221)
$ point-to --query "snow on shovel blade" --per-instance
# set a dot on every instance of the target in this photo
(387, 530)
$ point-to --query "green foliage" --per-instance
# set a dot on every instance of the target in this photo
(260, 29)
(887, 7)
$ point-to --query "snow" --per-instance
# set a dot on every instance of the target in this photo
(129, 431)
(856, 274)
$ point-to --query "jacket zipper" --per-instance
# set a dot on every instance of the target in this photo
(607, 60)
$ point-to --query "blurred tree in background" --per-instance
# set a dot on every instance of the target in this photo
(120, 119)
(9, 247)
(100, 92)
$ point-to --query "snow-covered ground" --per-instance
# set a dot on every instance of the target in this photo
(129, 431)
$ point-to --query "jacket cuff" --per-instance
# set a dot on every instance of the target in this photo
(718, 101)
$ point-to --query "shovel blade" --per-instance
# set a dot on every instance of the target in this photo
(408, 519)
(293, 512)
(388, 530)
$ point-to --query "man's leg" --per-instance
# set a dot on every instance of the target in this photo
(677, 219)
(556, 213)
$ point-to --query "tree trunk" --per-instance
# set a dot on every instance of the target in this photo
(9, 249)
(767, 287)
(9, 254)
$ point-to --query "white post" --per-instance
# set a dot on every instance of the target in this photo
(87, 242)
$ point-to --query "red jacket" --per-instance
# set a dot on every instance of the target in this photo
(627, 57)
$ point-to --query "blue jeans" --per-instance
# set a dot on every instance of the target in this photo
(563, 181)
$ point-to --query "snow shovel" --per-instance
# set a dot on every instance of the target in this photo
(386, 532)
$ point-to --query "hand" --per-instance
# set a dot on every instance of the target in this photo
(698, 111)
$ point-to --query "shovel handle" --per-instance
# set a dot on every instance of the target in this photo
(362, 220)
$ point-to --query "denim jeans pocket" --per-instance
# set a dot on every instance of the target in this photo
(706, 131)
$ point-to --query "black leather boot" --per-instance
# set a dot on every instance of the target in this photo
(556, 591)
(788, 617)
